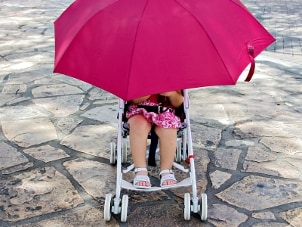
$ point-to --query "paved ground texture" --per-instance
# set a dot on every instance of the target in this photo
(55, 134)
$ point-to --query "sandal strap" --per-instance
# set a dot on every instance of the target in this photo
(141, 178)
(166, 171)
(169, 176)
(136, 170)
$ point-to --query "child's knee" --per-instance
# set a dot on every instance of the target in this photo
(166, 132)
(139, 121)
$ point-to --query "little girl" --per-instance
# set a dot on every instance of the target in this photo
(158, 111)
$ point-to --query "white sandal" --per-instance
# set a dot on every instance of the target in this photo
(141, 178)
(169, 176)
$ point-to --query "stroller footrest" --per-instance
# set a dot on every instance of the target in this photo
(129, 186)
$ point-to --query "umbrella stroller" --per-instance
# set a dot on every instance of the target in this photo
(127, 46)
(184, 152)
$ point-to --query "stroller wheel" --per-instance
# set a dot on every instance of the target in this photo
(107, 207)
(112, 153)
(204, 207)
(124, 210)
(187, 207)
(124, 151)
(178, 153)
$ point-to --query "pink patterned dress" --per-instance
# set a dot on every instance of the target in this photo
(166, 119)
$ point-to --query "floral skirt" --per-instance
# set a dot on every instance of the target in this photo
(165, 119)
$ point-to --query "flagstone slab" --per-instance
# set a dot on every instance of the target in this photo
(105, 114)
(85, 217)
(11, 159)
(14, 88)
(264, 215)
(19, 112)
(208, 111)
(98, 94)
(270, 224)
(29, 132)
(91, 139)
(261, 128)
(161, 215)
(238, 143)
(288, 146)
(259, 154)
(225, 216)
(17, 100)
(218, 178)
(61, 106)
(5, 98)
(67, 124)
(96, 178)
(37, 192)
(46, 153)
(258, 193)
(293, 216)
(281, 167)
(22, 75)
(205, 137)
(55, 90)
(227, 158)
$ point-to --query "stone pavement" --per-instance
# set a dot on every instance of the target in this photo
(55, 134)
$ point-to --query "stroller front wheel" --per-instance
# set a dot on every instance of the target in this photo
(187, 206)
(107, 207)
(112, 153)
(204, 207)
(124, 210)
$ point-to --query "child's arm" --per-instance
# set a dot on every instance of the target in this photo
(141, 99)
(175, 97)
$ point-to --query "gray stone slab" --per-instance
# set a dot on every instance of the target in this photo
(287, 146)
(55, 90)
(29, 132)
(96, 178)
(258, 193)
(19, 112)
(153, 216)
(293, 216)
(225, 216)
(46, 153)
(91, 139)
(218, 178)
(227, 158)
(85, 217)
(61, 106)
(67, 124)
(36, 192)
(11, 160)
(264, 215)
(105, 114)
(205, 137)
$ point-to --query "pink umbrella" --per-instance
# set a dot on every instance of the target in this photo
(133, 48)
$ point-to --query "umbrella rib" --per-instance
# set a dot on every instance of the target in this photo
(134, 42)
(229, 74)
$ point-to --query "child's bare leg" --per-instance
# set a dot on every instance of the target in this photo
(167, 142)
(139, 130)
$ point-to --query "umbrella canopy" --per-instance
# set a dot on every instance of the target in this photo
(133, 48)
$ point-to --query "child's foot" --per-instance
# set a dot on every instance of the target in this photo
(141, 179)
(167, 178)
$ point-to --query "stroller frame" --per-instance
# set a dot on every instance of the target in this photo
(117, 205)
